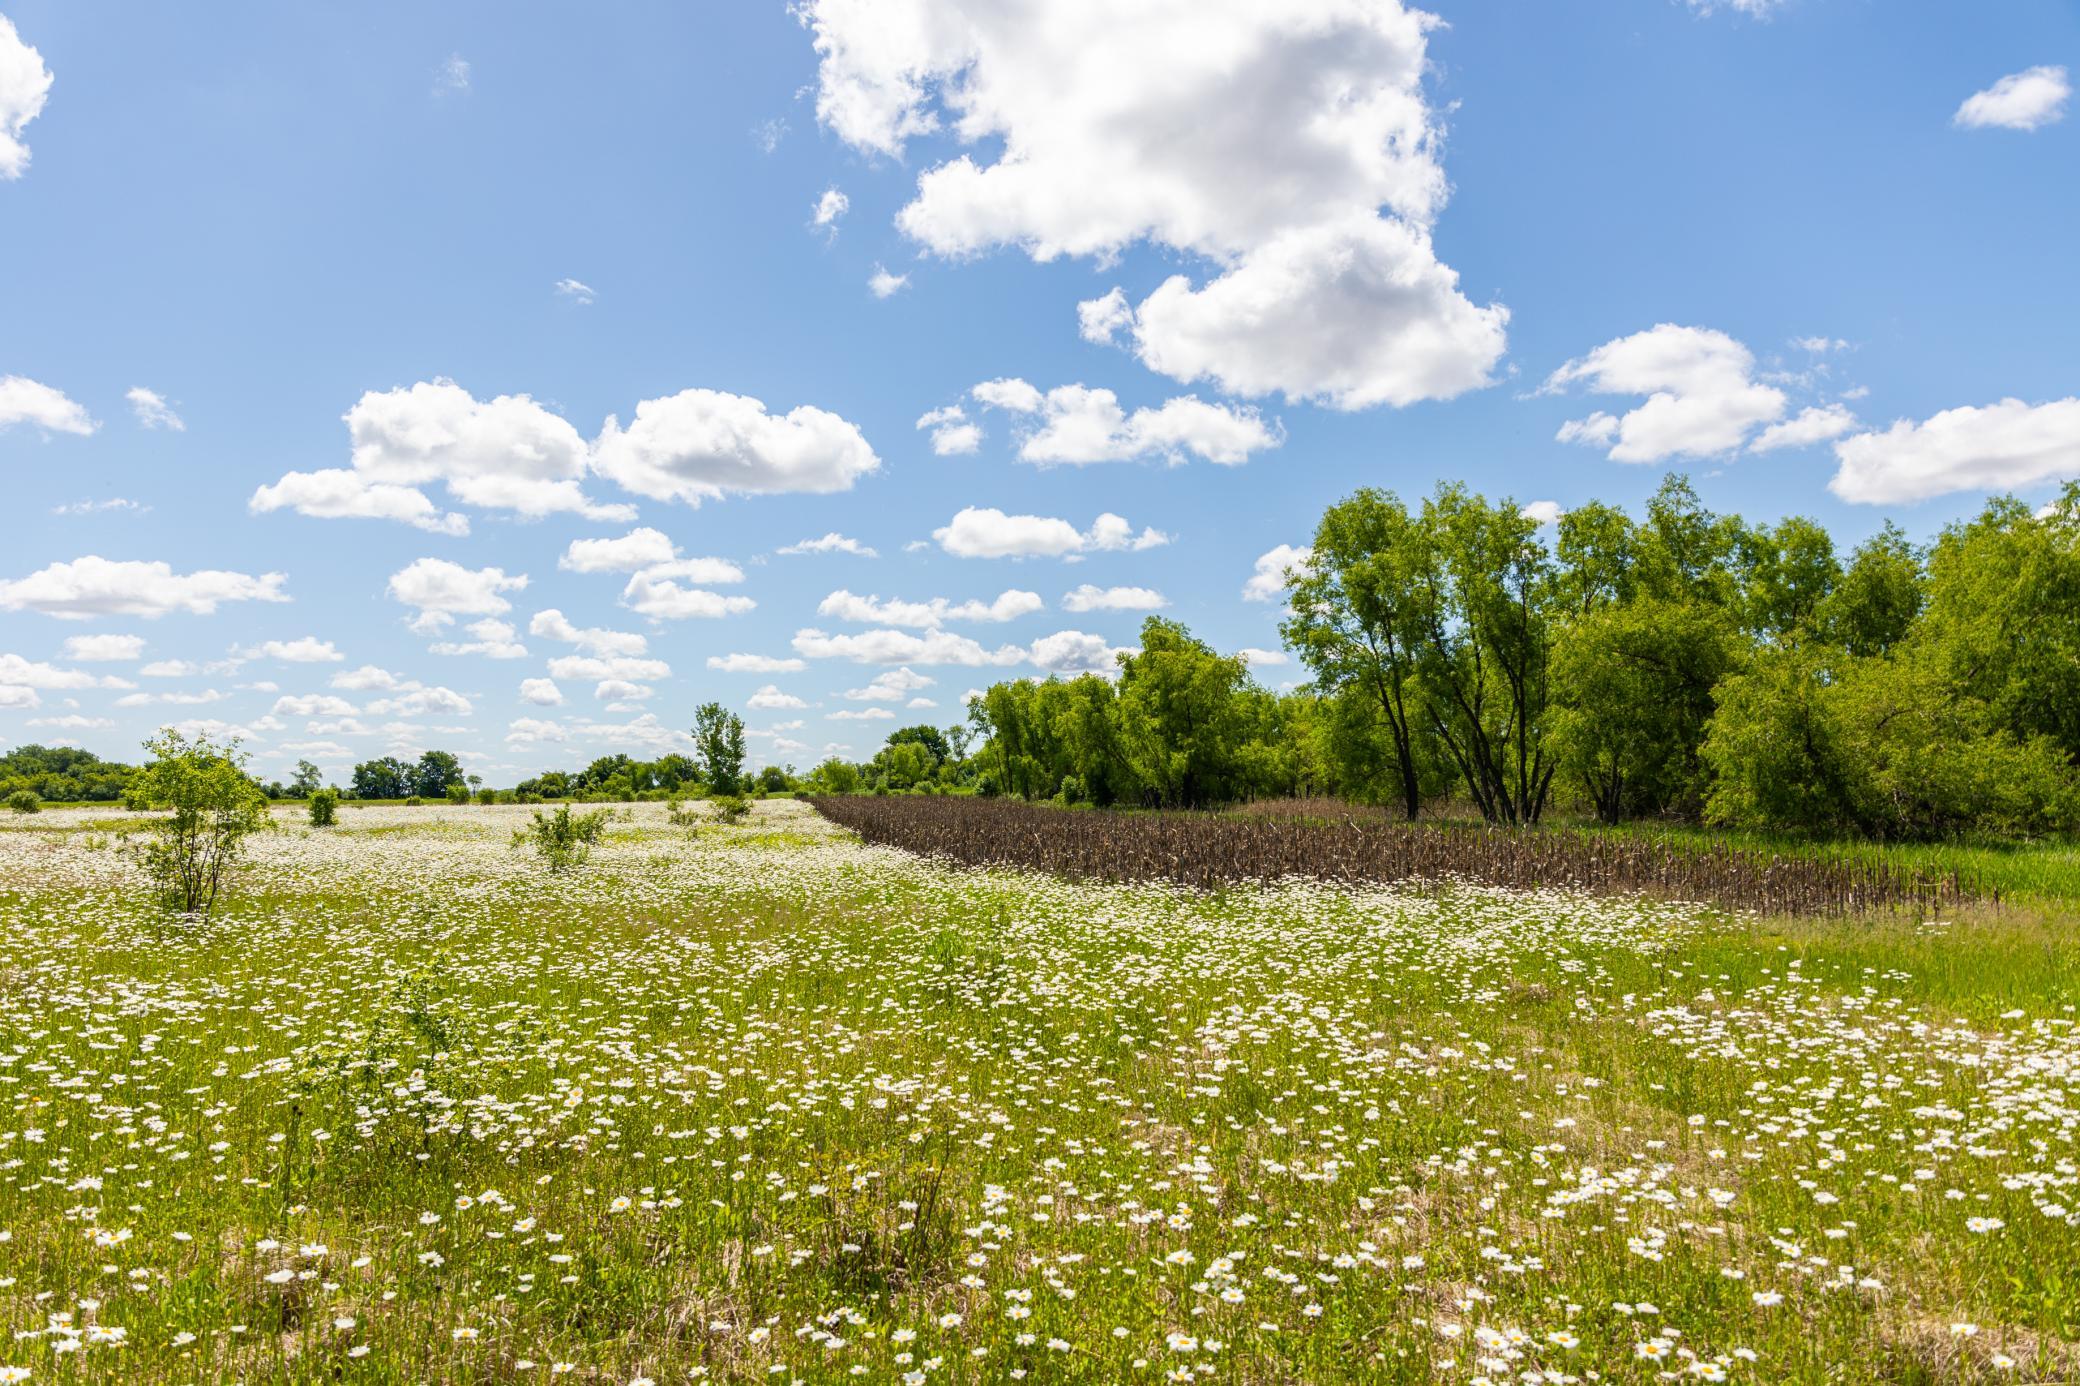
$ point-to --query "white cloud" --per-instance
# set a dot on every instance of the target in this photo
(507, 453)
(541, 692)
(2027, 100)
(24, 85)
(1008, 606)
(1544, 512)
(1100, 319)
(415, 700)
(639, 548)
(832, 542)
(554, 625)
(593, 669)
(830, 208)
(490, 637)
(862, 714)
(1814, 424)
(16, 698)
(662, 599)
(152, 410)
(531, 731)
(890, 686)
(1702, 397)
(620, 695)
(104, 648)
(33, 674)
(71, 721)
(435, 585)
(197, 699)
(308, 649)
(703, 444)
(1076, 424)
(1091, 598)
(953, 435)
(1268, 582)
(452, 75)
(883, 284)
(1998, 446)
(1288, 145)
(754, 664)
(771, 698)
(23, 400)
(170, 669)
(96, 507)
(575, 290)
(367, 678)
(1074, 652)
(93, 586)
(313, 705)
(1263, 659)
(902, 647)
(985, 532)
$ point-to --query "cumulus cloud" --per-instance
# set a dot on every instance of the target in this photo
(1267, 583)
(541, 692)
(1997, 446)
(25, 83)
(882, 284)
(890, 686)
(830, 208)
(1290, 146)
(152, 410)
(506, 453)
(862, 714)
(771, 698)
(1075, 652)
(597, 669)
(554, 625)
(170, 669)
(1814, 424)
(2027, 100)
(367, 678)
(652, 593)
(313, 705)
(490, 637)
(438, 587)
(902, 647)
(986, 532)
(1008, 605)
(754, 664)
(953, 434)
(639, 548)
(1544, 512)
(308, 649)
(832, 542)
(26, 401)
(93, 586)
(1076, 424)
(417, 700)
(1702, 397)
(1092, 598)
(104, 648)
(26, 673)
(703, 444)
(1262, 659)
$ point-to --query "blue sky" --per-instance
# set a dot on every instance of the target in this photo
(392, 268)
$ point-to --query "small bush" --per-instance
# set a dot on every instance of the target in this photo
(487, 796)
(729, 808)
(563, 839)
(324, 808)
(414, 802)
(215, 807)
(458, 793)
(24, 801)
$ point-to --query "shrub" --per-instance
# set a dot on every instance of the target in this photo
(414, 802)
(215, 807)
(458, 793)
(324, 808)
(563, 839)
(24, 801)
(729, 808)
(487, 796)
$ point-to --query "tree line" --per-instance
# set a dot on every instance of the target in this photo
(1683, 665)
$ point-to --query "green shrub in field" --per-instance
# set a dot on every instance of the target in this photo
(324, 808)
(215, 807)
(730, 808)
(563, 839)
(24, 801)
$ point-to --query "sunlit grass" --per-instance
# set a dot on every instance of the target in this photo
(758, 1103)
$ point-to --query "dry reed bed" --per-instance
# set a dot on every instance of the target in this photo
(1208, 850)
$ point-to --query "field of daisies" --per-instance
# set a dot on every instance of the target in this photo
(759, 1103)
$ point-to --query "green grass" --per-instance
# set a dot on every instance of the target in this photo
(756, 1103)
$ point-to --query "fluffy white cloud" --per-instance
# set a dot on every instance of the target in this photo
(1076, 424)
(435, 585)
(15, 697)
(862, 714)
(985, 532)
(1075, 652)
(308, 649)
(1289, 145)
(703, 444)
(620, 695)
(902, 647)
(541, 692)
(754, 664)
(1544, 512)
(1100, 319)
(507, 453)
(170, 669)
(152, 410)
(2026, 100)
(829, 209)
(415, 700)
(1702, 397)
(1008, 606)
(1262, 659)
(490, 637)
(771, 698)
(197, 699)
(24, 85)
(883, 284)
(662, 599)
(33, 674)
(593, 669)
(639, 548)
(531, 731)
(1268, 582)
(93, 586)
(890, 686)
(104, 648)
(1814, 424)
(953, 435)
(71, 721)
(832, 542)
(1090, 598)
(576, 290)
(313, 705)
(554, 625)
(2009, 444)
(23, 400)
(367, 678)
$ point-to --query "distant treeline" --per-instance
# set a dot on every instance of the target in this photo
(1683, 665)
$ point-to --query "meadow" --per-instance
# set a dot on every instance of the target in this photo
(763, 1103)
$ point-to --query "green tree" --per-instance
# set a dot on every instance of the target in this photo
(718, 742)
(1179, 720)
(435, 774)
(1881, 593)
(306, 781)
(563, 839)
(214, 807)
(383, 778)
(324, 808)
(929, 737)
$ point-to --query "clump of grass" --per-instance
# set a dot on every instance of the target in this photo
(563, 840)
